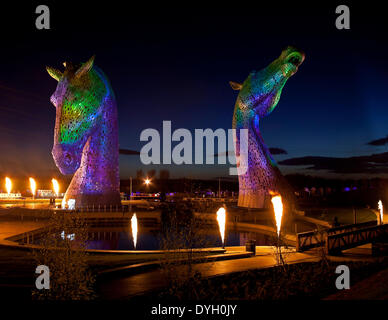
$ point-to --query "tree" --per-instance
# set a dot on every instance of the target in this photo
(164, 174)
(139, 174)
(151, 173)
(182, 236)
(63, 251)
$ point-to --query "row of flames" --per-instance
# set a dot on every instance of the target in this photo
(8, 186)
(221, 213)
(278, 211)
(221, 218)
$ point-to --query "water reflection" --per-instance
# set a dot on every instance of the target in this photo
(25, 204)
(151, 239)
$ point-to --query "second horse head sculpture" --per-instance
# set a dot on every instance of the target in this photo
(259, 94)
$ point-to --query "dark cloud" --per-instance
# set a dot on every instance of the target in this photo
(375, 163)
(277, 151)
(272, 150)
(129, 152)
(378, 142)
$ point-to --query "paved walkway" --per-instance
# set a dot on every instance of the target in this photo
(122, 288)
(12, 228)
(129, 286)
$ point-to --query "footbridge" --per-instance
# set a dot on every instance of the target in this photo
(336, 239)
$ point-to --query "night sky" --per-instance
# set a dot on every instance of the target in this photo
(175, 63)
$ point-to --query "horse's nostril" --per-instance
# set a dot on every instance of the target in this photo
(295, 60)
(67, 158)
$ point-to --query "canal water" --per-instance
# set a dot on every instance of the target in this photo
(153, 239)
(43, 205)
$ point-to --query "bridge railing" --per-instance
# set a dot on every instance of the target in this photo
(351, 227)
(309, 240)
(342, 241)
(314, 239)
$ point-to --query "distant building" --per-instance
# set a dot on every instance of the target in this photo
(10, 196)
(47, 194)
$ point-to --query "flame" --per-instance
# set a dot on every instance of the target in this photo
(8, 185)
(134, 229)
(278, 209)
(380, 204)
(33, 186)
(221, 218)
(55, 186)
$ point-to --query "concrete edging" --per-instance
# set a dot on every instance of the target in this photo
(141, 267)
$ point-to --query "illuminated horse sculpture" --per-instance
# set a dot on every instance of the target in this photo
(258, 96)
(86, 135)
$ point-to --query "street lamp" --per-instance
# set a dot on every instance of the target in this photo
(147, 182)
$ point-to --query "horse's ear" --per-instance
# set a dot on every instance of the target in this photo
(55, 73)
(235, 85)
(85, 68)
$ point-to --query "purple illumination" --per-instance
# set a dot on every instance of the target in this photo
(258, 96)
(85, 137)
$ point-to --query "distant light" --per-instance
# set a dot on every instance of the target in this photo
(70, 236)
(71, 204)
(147, 181)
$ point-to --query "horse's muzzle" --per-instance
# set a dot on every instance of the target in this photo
(65, 158)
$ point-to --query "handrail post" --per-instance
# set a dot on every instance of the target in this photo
(297, 242)
(326, 242)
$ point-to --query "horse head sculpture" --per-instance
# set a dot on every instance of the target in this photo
(86, 134)
(259, 94)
